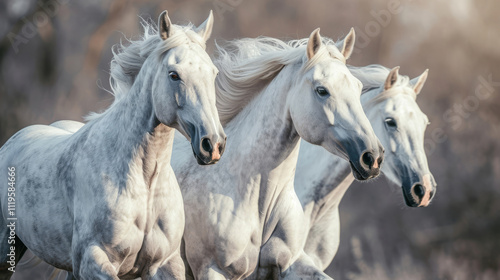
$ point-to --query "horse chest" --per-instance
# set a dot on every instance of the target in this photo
(151, 230)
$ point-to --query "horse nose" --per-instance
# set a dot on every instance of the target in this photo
(206, 145)
(372, 162)
(214, 151)
(419, 191)
(432, 195)
(423, 192)
(368, 159)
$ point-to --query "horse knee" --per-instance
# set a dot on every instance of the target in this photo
(92, 263)
(172, 269)
(304, 268)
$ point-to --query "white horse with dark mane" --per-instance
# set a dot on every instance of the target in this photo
(321, 179)
(103, 202)
(243, 218)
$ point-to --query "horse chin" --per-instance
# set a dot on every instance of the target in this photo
(408, 200)
(357, 175)
(202, 162)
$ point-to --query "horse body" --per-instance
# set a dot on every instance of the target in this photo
(243, 218)
(245, 205)
(101, 199)
(108, 172)
(321, 179)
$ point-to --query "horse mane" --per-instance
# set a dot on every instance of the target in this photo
(374, 76)
(247, 65)
(128, 59)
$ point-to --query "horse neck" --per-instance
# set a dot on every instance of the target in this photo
(130, 135)
(264, 141)
(327, 191)
(330, 190)
(366, 97)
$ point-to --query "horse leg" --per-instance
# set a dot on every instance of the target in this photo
(189, 271)
(276, 263)
(173, 268)
(304, 268)
(282, 255)
(323, 239)
(91, 262)
(8, 240)
(211, 273)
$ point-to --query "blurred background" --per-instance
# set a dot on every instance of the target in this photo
(55, 54)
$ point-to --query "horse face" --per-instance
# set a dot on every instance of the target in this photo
(400, 125)
(327, 112)
(187, 80)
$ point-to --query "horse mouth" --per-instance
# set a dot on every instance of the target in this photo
(356, 173)
(201, 161)
(410, 202)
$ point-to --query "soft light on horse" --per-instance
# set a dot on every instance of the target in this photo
(177, 81)
(101, 199)
(322, 180)
(340, 126)
(400, 125)
(243, 218)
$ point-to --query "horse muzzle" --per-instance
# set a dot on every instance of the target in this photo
(421, 193)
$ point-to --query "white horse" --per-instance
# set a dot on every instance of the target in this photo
(243, 218)
(103, 202)
(389, 101)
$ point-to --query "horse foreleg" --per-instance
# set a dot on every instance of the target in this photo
(173, 268)
(211, 273)
(324, 239)
(93, 263)
(304, 268)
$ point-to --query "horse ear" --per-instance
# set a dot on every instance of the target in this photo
(205, 29)
(348, 44)
(314, 43)
(392, 78)
(164, 25)
(418, 82)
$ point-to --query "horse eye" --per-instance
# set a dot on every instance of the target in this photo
(174, 76)
(390, 122)
(321, 91)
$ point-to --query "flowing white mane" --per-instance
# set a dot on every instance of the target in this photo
(247, 65)
(128, 59)
(374, 76)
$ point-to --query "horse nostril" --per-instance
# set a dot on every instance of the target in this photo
(206, 145)
(368, 159)
(221, 148)
(380, 160)
(419, 190)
